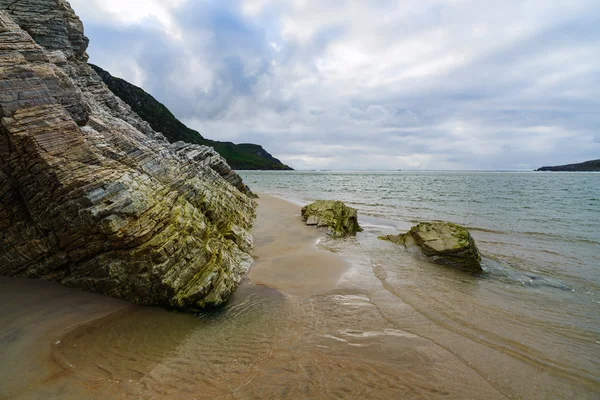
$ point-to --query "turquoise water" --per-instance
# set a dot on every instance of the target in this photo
(543, 223)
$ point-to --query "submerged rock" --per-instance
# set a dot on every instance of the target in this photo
(90, 195)
(444, 243)
(339, 219)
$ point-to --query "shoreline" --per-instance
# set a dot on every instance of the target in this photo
(344, 318)
(286, 256)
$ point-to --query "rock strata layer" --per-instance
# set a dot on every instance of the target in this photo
(444, 243)
(90, 195)
(339, 219)
(207, 156)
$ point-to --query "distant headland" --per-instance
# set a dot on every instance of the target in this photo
(588, 166)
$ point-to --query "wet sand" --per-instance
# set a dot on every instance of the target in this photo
(35, 315)
(286, 256)
(307, 323)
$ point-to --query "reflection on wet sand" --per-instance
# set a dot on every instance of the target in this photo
(35, 315)
(307, 324)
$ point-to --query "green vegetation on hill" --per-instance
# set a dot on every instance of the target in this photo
(238, 156)
(588, 166)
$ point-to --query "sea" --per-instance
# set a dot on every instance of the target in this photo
(531, 226)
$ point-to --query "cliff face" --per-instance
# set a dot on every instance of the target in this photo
(90, 195)
(588, 166)
(238, 156)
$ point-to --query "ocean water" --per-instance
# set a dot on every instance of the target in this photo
(545, 224)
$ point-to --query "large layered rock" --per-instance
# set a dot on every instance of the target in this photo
(90, 195)
(444, 243)
(339, 219)
(208, 156)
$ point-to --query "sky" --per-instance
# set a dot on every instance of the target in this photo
(379, 84)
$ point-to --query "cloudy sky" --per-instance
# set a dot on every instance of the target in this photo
(378, 84)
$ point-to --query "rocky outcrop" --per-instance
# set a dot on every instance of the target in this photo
(207, 156)
(90, 195)
(588, 166)
(239, 156)
(444, 243)
(339, 219)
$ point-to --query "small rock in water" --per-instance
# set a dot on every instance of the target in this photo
(444, 243)
(339, 219)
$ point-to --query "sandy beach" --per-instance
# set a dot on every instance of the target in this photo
(307, 323)
(286, 256)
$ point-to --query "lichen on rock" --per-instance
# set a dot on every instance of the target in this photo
(444, 243)
(339, 219)
(90, 195)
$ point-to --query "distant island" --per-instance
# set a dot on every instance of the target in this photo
(588, 166)
(238, 156)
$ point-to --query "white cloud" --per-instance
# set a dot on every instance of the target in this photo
(416, 84)
(130, 12)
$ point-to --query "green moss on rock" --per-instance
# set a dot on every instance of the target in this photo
(91, 196)
(339, 219)
(444, 243)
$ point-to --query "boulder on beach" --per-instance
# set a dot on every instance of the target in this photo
(339, 219)
(94, 198)
(444, 243)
